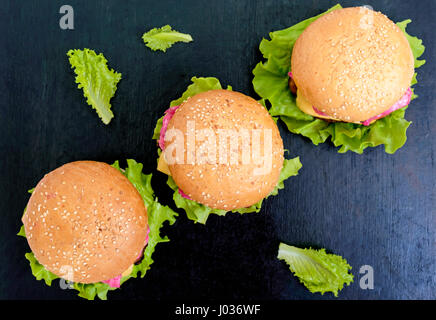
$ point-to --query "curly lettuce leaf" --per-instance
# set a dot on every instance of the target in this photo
(157, 128)
(317, 270)
(290, 168)
(141, 181)
(271, 83)
(22, 232)
(98, 82)
(418, 48)
(199, 85)
(91, 290)
(158, 215)
(163, 38)
(39, 271)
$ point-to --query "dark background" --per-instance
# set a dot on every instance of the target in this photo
(373, 209)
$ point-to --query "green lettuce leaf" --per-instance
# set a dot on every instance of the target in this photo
(22, 232)
(199, 85)
(156, 132)
(194, 210)
(163, 38)
(141, 181)
(418, 48)
(97, 81)
(290, 168)
(317, 270)
(90, 290)
(158, 215)
(39, 271)
(271, 83)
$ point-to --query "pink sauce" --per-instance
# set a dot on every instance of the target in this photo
(319, 112)
(184, 195)
(167, 117)
(116, 282)
(404, 101)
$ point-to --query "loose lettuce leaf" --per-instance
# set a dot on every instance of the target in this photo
(158, 215)
(97, 81)
(317, 270)
(271, 83)
(163, 38)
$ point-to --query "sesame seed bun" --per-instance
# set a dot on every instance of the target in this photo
(226, 185)
(352, 64)
(86, 222)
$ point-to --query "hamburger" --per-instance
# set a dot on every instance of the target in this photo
(88, 224)
(212, 123)
(345, 74)
(352, 65)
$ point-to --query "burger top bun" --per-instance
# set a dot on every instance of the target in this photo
(85, 222)
(352, 64)
(225, 183)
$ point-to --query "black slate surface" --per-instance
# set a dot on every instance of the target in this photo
(373, 209)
